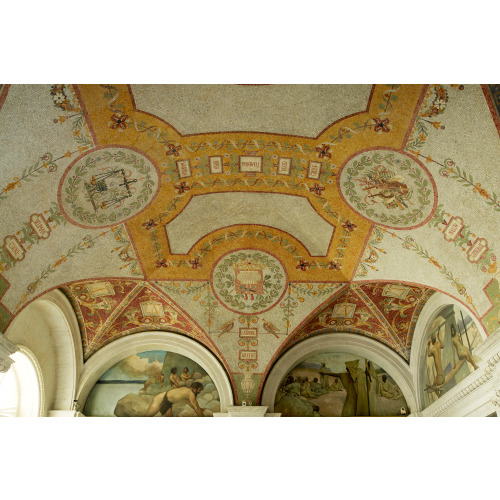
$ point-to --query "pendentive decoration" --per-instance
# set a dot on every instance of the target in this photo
(107, 186)
(389, 188)
(249, 281)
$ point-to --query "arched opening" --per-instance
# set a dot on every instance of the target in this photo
(355, 348)
(21, 388)
(134, 356)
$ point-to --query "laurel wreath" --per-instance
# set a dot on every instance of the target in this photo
(224, 281)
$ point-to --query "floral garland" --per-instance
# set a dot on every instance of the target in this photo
(410, 244)
(86, 243)
(121, 121)
(370, 255)
(118, 157)
(27, 236)
(224, 281)
(488, 262)
(289, 303)
(316, 190)
(47, 163)
(433, 105)
(422, 183)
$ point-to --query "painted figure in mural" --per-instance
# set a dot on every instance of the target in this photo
(164, 401)
(373, 389)
(462, 352)
(157, 379)
(434, 347)
(360, 377)
(292, 386)
(388, 389)
(305, 388)
(185, 375)
(354, 380)
(434, 350)
(316, 388)
(324, 381)
(336, 385)
(174, 378)
(291, 404)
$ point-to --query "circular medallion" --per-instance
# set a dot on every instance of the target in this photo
(248, 281)
(389, 188)
(107, 186)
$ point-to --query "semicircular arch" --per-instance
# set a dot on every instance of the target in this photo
(350, 343)
(118, 350)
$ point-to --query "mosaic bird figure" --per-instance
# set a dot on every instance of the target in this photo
(226, 327)
(270, 328)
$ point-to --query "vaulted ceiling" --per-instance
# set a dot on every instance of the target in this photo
(250, 217)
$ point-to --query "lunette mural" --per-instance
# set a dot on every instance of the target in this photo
(335, 384)
(449, 352)
(154, 384)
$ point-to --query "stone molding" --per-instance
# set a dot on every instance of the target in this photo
(64, 413)
(60, 317)
(247, 411)
(7, 348)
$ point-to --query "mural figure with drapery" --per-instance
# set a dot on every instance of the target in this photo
(338, 384)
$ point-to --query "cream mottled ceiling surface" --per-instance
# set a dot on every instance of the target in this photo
(286, 109)
(250, 217)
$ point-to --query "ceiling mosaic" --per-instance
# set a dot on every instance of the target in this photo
(155, 207)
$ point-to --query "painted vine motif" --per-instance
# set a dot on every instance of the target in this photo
(120, 121)
(451, 170)
(433, 105)
(297, 293)
(64, 99)
(409, 243)
(28, 237)
(85, 243)
(126, 252)
(372, 253)
(457, 232)
(346, 227)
